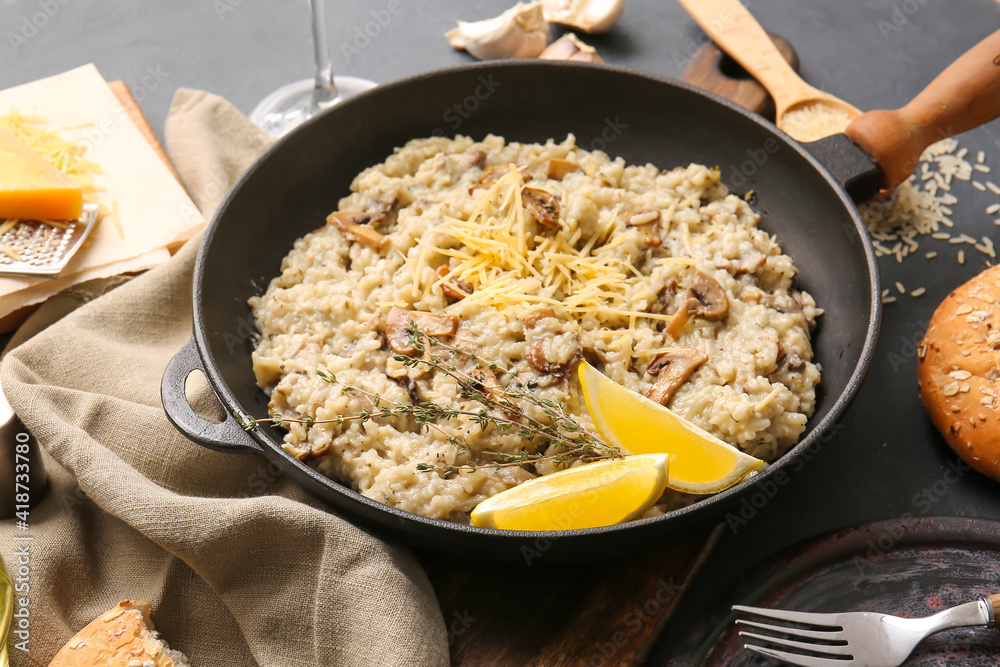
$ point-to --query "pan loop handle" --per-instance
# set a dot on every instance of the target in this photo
(227, 435)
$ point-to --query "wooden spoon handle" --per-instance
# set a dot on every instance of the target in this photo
(737, 32)
(963, 96)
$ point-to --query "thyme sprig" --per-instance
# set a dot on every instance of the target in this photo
(503, 408)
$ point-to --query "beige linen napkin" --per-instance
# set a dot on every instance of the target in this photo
(242, 566)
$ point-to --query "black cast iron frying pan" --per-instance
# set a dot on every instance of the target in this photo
(296, 183)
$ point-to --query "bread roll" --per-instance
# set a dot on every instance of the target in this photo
(122, 637)
(958, 368)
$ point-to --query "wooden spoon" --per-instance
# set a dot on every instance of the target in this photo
(733, 28)
(965, 95)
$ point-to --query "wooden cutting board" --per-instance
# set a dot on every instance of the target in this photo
(582, 615)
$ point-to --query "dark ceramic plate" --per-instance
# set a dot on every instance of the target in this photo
(909, 567)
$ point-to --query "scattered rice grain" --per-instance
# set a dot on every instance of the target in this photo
(981, 168)
(979, 186)
(981, 157)
(931, 255)
(961, 257)
(993, 187)
(918, 292)
(899, 286)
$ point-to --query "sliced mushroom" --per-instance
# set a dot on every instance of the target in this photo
(558, 168)
(797, 298)
(494, 174)
(672, 369)
(705, 298)
(645, 221)
(713, 304)
(358, 225)
(751, 263)
(569, 47)
(412, 389)
(538, 361)
(681, 317)
(790, 303)
(542, 205)
(399, 335)
(485, 380)
(474, 158)
(787, 362)
(454, 289)
(537, 315)
(520, 32)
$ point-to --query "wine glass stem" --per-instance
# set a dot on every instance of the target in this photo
(325, 91)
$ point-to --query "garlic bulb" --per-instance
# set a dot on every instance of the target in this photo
(520, 32)
(569, 47)
(593, 16)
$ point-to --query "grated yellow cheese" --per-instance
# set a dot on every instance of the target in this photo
(508, 261)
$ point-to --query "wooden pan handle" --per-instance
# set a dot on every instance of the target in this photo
(964, 96)
(737, 32)
(994, 602)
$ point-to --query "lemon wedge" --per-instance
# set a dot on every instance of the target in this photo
(699, 462)
(587, 496)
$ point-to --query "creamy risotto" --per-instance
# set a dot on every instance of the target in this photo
(532, 257)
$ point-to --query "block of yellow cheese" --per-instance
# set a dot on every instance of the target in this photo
(31, 188)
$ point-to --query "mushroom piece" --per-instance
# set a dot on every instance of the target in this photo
(538, 361)
(751, 263)
(542, 205)
(454, 288)
(705, 298)
(494, 174)
(358, 225)
(672, 369)
(537, 315)
(559, 168)
(712, 302)
(474, 158)
(399, 334)
(520, 32)
(645, 220)
(787, 362)
(569, 47)
(593, 16)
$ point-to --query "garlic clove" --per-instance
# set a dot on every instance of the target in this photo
(593, 16)
(569, 47)
(520, 32)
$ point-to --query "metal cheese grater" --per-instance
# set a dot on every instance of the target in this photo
(43, 250)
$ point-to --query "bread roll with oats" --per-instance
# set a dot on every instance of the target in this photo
(122, 637)
(958, 368)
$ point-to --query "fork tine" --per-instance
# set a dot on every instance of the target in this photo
(842, 649)
(831, 635)
(797, 659)
(793, 616)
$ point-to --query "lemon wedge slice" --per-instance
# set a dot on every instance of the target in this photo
(699, 462)
(587, 496)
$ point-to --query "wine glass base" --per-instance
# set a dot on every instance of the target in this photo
(291, 105)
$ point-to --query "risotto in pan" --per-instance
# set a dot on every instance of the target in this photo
(528, 257)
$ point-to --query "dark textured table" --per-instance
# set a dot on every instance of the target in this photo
(884, 460)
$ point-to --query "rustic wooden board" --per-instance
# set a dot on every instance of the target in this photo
(591, 614)
(713, 70)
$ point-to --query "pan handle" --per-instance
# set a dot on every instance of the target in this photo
(227, 435)
(963, 96)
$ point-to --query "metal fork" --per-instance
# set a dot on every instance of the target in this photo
(859, 638)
